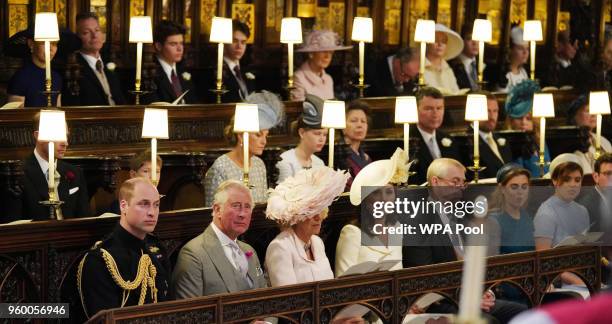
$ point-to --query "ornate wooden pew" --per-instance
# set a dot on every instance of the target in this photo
(388, 294)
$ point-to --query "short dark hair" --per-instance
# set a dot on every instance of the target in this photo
(466, 30)
(86, 15)
(238, 25)
(563, 37)
(405, 54)
(428, 92)
(603, 158)
(358, 105)
(564, 169)
(165, 29)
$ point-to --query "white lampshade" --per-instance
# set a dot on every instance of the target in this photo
(476, 108)
(45, 27)
(406, 110)
(363, 30)
(141, 30)
(155, 123)
(52, 126)
(599, 103)
(291, 30)
(532, 30)
(543, 105)
(483, 30)
(221, 30)
(425, 31)
(333, 114)
(246, 118)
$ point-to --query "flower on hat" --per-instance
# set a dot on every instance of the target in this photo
(186, 76)
(446, 142)
(400, 161)
(305, 195)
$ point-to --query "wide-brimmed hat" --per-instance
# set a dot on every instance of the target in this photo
(271, 109)
(17, 45)
(454, 45)
(379, 173)
(322, 41)
(520, 98)
(305, 195)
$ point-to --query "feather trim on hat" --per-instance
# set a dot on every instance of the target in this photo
(271, 109)
(520, 98)
(305, 195)
(399, 160)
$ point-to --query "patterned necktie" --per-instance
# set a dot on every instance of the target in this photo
(474, 75)
(176, 84)
(104, 82)
(243, 88)
(240, 261)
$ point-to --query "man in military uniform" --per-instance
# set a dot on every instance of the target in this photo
(130, 266)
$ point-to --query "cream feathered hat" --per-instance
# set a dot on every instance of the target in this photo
(380, 173)
(305, 195)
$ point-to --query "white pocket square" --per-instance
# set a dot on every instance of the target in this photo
(73, 190)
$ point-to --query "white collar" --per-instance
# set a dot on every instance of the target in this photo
(91, 60)
(231, 64)
(564, 63)
(44, 164)
(426, 136)
(167, 68)
(484, 135)
(223, 238)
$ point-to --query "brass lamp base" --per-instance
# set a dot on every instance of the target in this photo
(219, 92)
(476, 168)
(137, 94)
(361, 88)
(55, 212)
(49, 94)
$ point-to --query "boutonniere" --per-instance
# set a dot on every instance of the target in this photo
(248, 254)
(186, 76)
(250, 76)
(70, 176)
(501, 141)
(446, 142)
(111, 66)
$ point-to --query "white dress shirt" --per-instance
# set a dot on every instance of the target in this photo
(167, 68)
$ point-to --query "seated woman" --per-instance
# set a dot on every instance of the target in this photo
(299, 204)
(230, 165)
(28, 83)
(560, 217)
(357, 118)
(518, 112)
(312, 140)
(311, 78)
(578, 114)
(438, 73)
(508, 204)
(350, 249)
(503, 78)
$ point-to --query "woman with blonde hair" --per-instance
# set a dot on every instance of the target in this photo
(230, 165)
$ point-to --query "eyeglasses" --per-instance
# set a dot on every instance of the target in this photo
(456, 182)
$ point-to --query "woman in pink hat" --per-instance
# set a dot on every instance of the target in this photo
(311, 77)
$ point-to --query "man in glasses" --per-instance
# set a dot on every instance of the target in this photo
(446, 179)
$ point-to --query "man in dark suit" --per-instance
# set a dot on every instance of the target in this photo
(566, 68)
(494, 151)
(237, 81)
(395, 75)
(97, 85)
(465, 66)
(597, 200)
(446, 179)
(72, 187)
(171, 79)
(433, 143)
